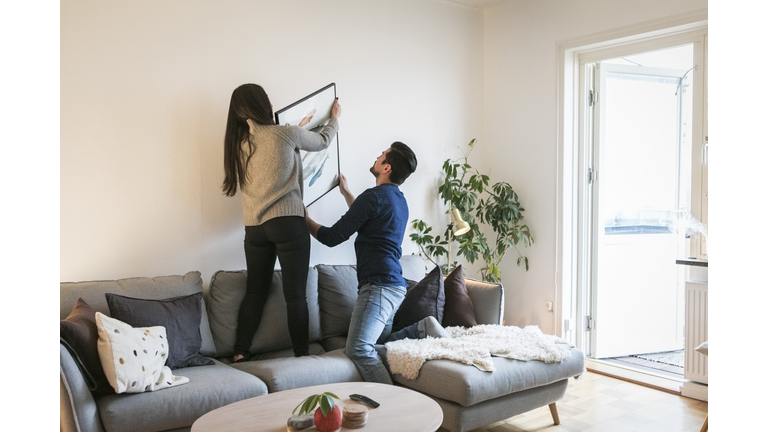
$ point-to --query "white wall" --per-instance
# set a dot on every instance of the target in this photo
(521, 48)
(145, 87)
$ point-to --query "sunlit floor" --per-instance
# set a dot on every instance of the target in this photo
(598, 403)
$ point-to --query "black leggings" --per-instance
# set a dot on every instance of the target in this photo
(285, 238)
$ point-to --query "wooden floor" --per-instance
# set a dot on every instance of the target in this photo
(598, 403)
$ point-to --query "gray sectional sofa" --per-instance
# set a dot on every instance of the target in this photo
(469, 398)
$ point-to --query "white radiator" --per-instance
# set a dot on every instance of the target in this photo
(696, 364)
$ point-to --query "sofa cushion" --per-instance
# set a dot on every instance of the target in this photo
(226, 292)
(80, 335)
(294, 372)
(77, 406)
(209, 388)
(424, 298)
(337, 295)
(141, 287)
(180, 316)
(467, 385)
(458, 306)
(334, 343)
(314, 349)
(413, 267)
(134, 358)
(487, 301)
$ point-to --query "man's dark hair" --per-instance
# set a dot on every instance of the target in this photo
(402, 160)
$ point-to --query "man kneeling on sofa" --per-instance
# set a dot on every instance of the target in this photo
(379, 216)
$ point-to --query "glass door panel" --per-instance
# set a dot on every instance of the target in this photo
(641, 193)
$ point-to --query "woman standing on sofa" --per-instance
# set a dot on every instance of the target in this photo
(264, 160)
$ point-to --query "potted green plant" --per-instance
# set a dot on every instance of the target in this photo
(327, 416)
(498, 207)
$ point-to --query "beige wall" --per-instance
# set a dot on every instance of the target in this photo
(145, 87)
(521, 123)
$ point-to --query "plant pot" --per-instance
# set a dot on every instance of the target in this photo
(330, 422)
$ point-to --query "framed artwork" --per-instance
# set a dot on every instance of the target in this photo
(320, 169)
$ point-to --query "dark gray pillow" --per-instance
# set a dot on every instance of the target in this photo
(459, 310)
(79, 334)
(424, 298)
(179, 315)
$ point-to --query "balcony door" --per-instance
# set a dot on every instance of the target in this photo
(640, 195)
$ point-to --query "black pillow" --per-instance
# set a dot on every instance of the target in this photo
(425, 298)
(79, 334)
(179, 315)
(459, 310)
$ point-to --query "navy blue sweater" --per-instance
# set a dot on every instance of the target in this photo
(379, 216)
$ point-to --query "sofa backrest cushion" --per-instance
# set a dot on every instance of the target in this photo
(226, 292)
(337, 292)
(156, 288)
(488, 301)
(413, 267)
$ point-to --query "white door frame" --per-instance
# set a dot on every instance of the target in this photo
(572, 188)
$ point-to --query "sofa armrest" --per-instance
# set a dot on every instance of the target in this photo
(77, 408)
(488, 301)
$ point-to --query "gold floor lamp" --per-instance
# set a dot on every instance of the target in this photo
(458, 227)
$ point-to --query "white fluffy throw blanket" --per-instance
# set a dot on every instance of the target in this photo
(475, 346)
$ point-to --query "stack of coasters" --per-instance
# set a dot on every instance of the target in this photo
(354, 416)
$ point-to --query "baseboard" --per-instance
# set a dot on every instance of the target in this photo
(695, 390)
(666, 384)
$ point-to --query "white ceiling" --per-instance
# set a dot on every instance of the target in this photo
(479, 3)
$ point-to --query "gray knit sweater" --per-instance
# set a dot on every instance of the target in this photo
(274, 185)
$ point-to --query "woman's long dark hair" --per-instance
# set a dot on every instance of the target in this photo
(249, 101)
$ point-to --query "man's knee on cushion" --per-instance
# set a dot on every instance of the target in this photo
(360, 350)
(429, 326)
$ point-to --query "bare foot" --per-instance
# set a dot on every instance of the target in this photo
(238, 357)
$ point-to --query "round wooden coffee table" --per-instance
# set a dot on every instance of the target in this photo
(401, 410)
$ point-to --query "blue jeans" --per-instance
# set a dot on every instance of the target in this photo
(371, 324)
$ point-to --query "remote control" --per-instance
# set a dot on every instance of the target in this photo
(364, 399)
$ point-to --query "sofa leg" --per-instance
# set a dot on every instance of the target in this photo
(553, 410)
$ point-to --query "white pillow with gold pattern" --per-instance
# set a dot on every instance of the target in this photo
(134, 358)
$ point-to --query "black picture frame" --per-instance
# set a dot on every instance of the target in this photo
(320, 169)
